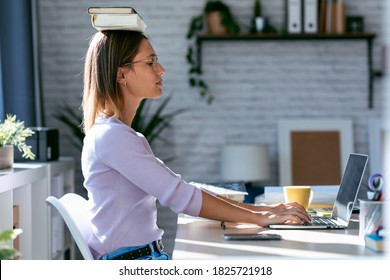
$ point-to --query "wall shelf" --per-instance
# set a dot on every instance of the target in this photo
(368, 37)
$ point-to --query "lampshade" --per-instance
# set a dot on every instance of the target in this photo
(248, 163)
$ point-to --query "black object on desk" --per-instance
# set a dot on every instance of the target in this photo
(252, 191)
(251, 236)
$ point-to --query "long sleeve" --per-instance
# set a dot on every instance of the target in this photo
(123, 179)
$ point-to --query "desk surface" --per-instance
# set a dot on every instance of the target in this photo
(203, 239)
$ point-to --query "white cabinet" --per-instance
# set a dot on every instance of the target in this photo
(27, 185)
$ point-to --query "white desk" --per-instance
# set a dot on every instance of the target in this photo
(203, 239)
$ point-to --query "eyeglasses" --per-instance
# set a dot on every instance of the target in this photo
(152, 62)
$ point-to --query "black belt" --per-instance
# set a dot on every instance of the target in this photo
(155, 246)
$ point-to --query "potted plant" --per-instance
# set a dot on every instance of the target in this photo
(13, 133)
(260, 24)
(219, 21)
(219, 18)
(7, 252)
(258, 20)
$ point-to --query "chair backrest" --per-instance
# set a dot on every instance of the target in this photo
(74, 211)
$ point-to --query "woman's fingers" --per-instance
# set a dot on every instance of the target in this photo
(289, 216)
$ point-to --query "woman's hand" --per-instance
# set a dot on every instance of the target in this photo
(224, 209)
(276, 206)
(283, 213)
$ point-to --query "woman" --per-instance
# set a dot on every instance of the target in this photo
(122, 176)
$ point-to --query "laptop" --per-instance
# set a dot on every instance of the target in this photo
(346, 197)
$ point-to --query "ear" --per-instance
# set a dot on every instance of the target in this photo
(120, 75)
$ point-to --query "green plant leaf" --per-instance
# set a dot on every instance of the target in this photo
(203, 85)
(7, 253)
(196, 24)
(189, 56)
(194, 70)
(6, 235)
(192, 82)
(13, 132)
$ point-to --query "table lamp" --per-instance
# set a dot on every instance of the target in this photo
(246, 163)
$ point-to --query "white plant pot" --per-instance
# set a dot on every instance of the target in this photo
(260, 23)
(6, 157)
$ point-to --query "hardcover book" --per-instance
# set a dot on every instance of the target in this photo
(374, 242)
(116, 18)
(111, 10)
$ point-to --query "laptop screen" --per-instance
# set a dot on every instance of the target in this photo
(349, 187)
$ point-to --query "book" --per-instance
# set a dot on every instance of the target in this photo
(339, 17)
(116, 18)
(111, 10)
(374, 242)
(323, 212)
(130, 21)
(329, 16)
(322, 17)
(335, 17)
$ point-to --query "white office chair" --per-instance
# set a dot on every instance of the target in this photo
(74, 211)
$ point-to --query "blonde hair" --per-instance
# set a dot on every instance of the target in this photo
(107, 51)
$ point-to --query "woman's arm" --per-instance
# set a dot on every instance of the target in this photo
(261, 207)
(222, 209)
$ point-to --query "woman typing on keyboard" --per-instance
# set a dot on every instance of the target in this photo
(122, 176)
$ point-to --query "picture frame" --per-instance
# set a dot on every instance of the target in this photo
(377, 134)
(313, 151)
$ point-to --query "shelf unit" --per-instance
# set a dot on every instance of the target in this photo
(27, 185)
(368, 37)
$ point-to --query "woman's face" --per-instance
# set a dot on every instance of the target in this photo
(144, 78)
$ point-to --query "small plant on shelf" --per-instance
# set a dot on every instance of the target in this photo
(226, 25)
(259, 23)
(13, 133)
(257, 14)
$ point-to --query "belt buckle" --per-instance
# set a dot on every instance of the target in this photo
(159, 246)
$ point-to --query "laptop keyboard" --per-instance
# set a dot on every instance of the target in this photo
(322, 221)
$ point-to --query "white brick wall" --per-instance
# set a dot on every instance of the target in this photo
(255, 83)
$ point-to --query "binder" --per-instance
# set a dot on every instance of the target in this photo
(329, 17)
(322, 16)
(310, 16)
(294, 16)
(335, 16)
(339, 17)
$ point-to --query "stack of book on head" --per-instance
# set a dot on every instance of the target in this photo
(116, 18)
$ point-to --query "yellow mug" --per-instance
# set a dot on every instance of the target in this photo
(299, 194)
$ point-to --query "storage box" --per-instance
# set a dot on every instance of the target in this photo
(370, 217)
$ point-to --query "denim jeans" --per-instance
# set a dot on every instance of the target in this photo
(153, 256)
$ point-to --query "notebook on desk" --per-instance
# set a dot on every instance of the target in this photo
(346, 197)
